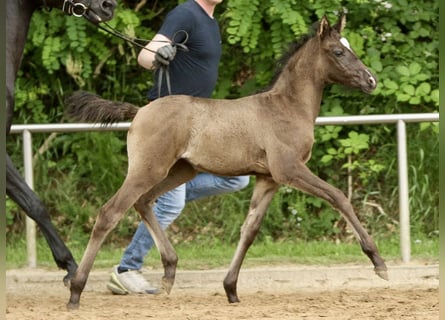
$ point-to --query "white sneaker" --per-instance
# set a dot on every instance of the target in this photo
(130, 282)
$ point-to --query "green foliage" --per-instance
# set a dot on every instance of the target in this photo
(413, 88)
(398, 40)
(216, 254)
(352, 145)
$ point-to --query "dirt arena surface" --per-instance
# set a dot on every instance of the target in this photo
(288, 292)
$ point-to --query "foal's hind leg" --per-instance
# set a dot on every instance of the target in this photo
(306, 181)
(263, 193)
(108, 217)
(20, 193)
(180, 173)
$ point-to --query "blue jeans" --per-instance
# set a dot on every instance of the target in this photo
(169, 206)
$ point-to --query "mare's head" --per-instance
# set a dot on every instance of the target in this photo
(339, 63)
(95, 11)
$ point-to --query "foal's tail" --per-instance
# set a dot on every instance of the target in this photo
(89, 107)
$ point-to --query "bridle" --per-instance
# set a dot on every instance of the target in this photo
(78, 9)
(71, 8)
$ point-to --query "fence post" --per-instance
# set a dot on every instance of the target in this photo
(405, 242)
(29, 178)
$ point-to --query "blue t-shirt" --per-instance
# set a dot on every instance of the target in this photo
(194, 72)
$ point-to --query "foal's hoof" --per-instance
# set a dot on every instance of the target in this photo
(382, 272)
(72, 306)
(233, 299)
(231, 292)
(167, 285)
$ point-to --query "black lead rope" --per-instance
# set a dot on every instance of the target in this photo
(163, 69)
(133, 41)
(78, 9)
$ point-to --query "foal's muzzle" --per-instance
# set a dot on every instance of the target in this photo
(369, 81)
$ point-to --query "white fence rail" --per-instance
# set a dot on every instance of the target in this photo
(398, 119)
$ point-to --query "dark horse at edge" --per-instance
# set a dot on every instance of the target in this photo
(18, 17)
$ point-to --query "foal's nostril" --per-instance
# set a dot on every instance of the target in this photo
(371, 80)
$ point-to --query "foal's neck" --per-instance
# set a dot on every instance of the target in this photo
(300, 83)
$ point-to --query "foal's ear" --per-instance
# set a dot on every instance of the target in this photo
(323, 27)
(341, 23)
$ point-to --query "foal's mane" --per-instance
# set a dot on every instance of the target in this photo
(292, 49)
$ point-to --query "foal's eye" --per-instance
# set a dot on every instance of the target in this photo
(338, 52)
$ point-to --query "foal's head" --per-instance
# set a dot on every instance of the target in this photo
(338, 62)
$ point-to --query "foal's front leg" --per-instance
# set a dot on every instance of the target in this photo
(303, 179)
(263, 193)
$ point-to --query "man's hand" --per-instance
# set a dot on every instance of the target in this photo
(165, 54)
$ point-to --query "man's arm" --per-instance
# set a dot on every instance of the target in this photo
(146, 58)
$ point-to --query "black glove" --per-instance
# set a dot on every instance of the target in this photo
(165, 54)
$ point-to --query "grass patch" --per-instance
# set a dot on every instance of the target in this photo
(213, 254)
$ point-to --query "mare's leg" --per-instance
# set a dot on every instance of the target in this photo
(18, 190)
(111, 213)
(180, 173)
(263, 193)
(306, 181)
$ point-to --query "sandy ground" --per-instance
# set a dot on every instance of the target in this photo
(287, 292)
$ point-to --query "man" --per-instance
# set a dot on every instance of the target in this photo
(192, 71)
